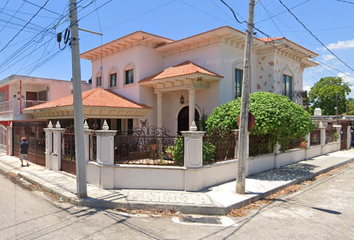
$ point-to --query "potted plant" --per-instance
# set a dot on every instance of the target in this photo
(153, 144)
(303, 144)
(336, 136)
(168, 151)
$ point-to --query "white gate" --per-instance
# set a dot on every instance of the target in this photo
(3, 143)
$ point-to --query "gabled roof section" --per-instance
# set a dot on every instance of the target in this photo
(97, 97)
(126, 42)
(182, 69)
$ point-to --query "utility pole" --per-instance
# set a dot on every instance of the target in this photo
(78, 111)
(243, 133)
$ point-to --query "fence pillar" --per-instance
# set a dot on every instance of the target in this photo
(276, 152)
(322, 136)
(57, 147)
(236, 132)
(48, 145)
(349, 137)
(193, 158)
(87, 133)
(105, 156)
(339, 131)
(9, 140)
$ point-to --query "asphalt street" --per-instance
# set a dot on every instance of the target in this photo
(322, 210)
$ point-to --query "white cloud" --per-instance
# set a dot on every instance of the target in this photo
(307, 88)
(341, 45)
(328, 57)
(347, 77)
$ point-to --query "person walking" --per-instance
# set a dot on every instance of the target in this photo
(24, 151)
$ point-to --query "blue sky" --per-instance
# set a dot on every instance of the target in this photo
(33, 50)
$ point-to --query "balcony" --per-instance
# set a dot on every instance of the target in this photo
(10, 110)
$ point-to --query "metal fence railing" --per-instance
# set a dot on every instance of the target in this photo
(330, 135)
(259, 145)
(219, 147)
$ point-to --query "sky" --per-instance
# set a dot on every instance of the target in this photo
(28, 30)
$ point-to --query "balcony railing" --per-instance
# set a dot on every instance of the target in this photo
(12, 108)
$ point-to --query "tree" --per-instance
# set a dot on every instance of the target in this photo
(276, 116)
(328, 93)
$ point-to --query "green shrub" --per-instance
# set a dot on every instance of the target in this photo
(276, 116)
(177, 153)
(208, 152)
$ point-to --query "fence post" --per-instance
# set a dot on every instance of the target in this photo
(56, 156)
(105, 156)
(276, 152)
(87, 133)
(349, 137)
(323, 136)
(236, 132)
(193, 158)
(339, 131)
(9, 140)
(48, 145)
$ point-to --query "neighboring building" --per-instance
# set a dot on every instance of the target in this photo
(178, 81)
(20, 92)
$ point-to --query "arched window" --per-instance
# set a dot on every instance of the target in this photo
(129, 74)
(113, 78)
(238, 82)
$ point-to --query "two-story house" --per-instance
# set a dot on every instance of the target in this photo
(169, 83)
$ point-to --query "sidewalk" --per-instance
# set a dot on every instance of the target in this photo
(217, 200)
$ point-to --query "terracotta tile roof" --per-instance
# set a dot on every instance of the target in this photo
(182, 69)
(97, 97)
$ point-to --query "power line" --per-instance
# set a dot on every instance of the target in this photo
(315, 36)
(271, 18)
(24, 26)
(344, 1)
(41, 7)
(11, 17)
(233, 12)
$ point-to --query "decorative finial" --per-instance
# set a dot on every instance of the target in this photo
(50, 125)
(105, 125)
(58, 125)
(86, 126)
(193, 127)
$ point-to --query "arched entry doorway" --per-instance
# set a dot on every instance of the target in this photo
(183, 119)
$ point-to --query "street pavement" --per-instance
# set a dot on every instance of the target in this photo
(216, 200)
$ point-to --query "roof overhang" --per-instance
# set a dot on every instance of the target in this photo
(67, 112)
(195, 80)
(134, 39)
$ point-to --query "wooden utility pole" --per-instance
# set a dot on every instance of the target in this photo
(243, 133)
(78, 109)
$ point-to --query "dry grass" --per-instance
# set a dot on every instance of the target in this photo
(152, 212)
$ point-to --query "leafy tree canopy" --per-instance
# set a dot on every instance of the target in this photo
(276, 116)
(324, 95)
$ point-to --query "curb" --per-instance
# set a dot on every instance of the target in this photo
(185, 208)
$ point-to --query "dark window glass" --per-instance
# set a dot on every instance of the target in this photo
(98, 81)
(113, 80)
(129, 76)
(238, 82)
(288, 86)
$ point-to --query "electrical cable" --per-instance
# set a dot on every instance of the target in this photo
(315, 36)
(271, 18)
(24, 26)
(26, 1)
(11, 17)
(344, 1)
(233, 12)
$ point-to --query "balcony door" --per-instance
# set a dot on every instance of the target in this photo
(31, 97)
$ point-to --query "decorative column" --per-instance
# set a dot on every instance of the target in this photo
(48, 145)
(322, 135)
(9, 140)
(193, 158)
(349, 137)
(276, 152)
(339, 131)
(87, 133)
(105, 156)
(159, 109)
(191, 92)
(56, 156)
